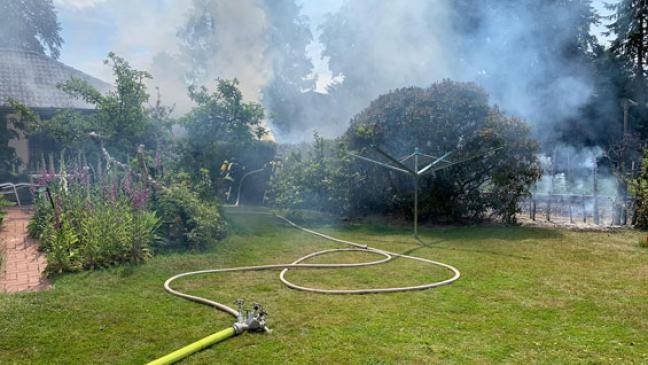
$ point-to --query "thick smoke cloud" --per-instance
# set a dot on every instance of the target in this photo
(217, 39)
(375, 46)
(260, 43)
(526, 54)
(531, 58)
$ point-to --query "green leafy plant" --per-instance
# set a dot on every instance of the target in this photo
(121, 117)
(186, 219)
(315, 179)
(222, 129)
(639, 189)
(448, 116)
(87, 227)
(3, 203)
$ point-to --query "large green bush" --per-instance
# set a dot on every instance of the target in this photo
(188, 220)
(315, 179)
(639, 190)
(448, 116)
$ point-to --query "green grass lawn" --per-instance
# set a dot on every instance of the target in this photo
(525, 296)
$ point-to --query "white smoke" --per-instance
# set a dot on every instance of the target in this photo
(388, 44)
(78, 4)
(240, 50)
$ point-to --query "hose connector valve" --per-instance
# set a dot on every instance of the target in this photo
(254, 321)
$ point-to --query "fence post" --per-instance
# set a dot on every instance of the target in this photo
(551, 184)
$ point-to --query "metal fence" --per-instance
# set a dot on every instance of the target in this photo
(574, 209)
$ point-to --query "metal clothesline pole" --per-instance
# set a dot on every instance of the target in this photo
(416, 173)
(416, 188)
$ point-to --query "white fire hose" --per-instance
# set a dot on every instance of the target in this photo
(256, 320)
(387, 256)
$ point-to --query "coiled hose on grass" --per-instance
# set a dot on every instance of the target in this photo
(258, 323)
(387, 256)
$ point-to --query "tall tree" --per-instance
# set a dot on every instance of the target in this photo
(223, 128)
(629, 23)
(265, 48)
(288, 36)
(121, 116)
(30, 25)
(198, 40)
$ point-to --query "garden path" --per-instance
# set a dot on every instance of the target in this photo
(23, 264)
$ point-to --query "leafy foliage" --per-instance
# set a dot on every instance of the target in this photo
(121, 118)
(629, 23)
(284, 95)
(30, 25)
(86, 228)
(207, 50)
(187, 220)
(639, 189)
(8, 158)
(24, 120)
(448, 116)
(3, 203)
(316, 180)
(109, 218)
(223, 128)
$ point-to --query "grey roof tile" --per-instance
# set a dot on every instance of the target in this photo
(31, 79)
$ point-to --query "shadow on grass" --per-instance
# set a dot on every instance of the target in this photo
(264, 223)
(433, 245)
(480, 232)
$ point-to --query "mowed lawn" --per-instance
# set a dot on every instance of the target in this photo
(526, 295)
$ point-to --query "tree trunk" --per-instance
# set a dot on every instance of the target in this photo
(641, 58)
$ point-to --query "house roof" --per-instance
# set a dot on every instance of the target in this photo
(31, 78)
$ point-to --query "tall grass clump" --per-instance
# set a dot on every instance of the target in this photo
(3, 203)
(643, 242)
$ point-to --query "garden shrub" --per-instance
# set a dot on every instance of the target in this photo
(186, 219)
(3, 203)
(84, 227)
(315, 179)
(638, 187)
(448, 116)
(222, 129)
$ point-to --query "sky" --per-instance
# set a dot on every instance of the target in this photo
(92, 28)
(137, 30)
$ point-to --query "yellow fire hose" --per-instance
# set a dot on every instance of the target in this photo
(194, 347)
